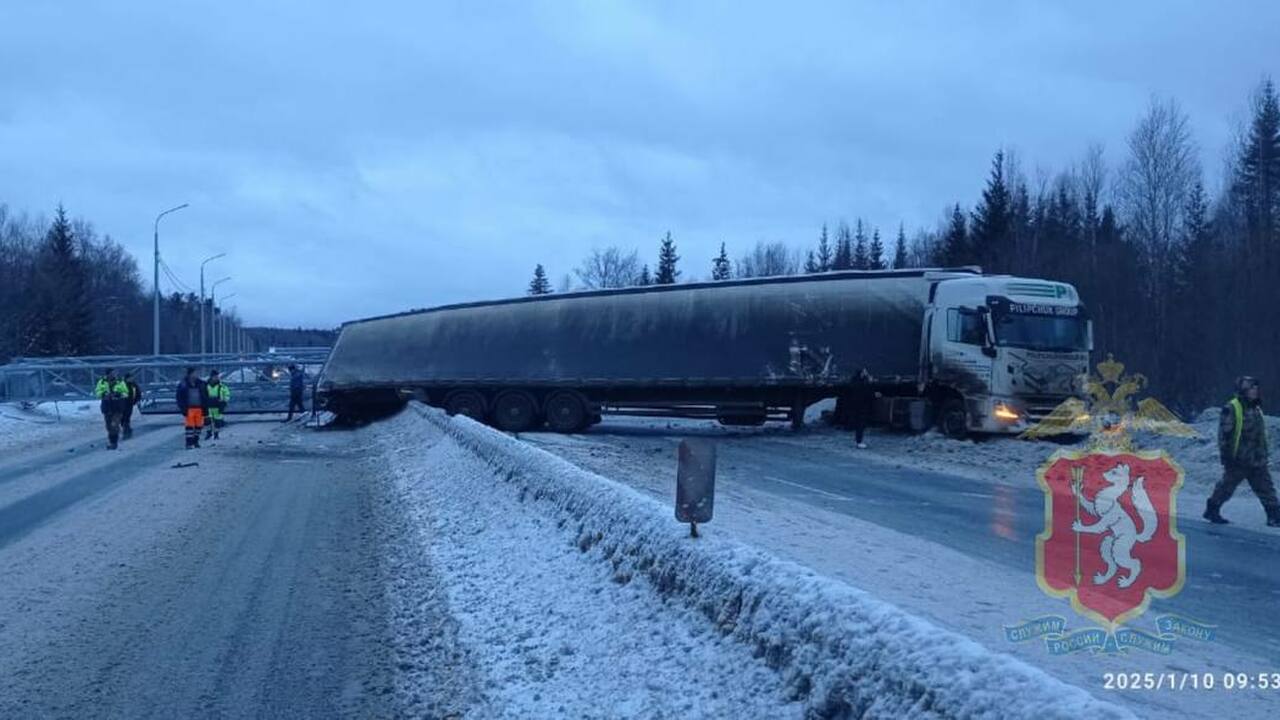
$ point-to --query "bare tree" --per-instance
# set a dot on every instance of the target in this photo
(609, 268)
(1157, 179)
(769, 258)
(1092, 175)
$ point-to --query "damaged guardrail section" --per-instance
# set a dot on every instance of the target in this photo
(841, 651)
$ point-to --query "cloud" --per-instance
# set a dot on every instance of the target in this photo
(359, 159)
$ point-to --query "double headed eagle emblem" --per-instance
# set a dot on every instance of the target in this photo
(1109, 414)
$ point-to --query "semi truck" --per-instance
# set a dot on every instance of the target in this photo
(951, 347)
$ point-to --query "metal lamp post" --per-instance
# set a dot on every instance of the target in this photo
(220, 332)
(202, 333)
(155, 300)
(213, 308)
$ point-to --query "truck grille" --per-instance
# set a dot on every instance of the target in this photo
(1039, 406)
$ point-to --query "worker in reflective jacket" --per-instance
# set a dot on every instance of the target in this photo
(192, 398)
(1242, 445)
(219, 396)
(113, 393)
(135, 397)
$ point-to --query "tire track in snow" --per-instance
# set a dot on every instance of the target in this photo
(20, 518)
(65, 454)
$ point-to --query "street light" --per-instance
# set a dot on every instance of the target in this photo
(202, 264)
(229, 328)
(213, 307)
(219, 333)
(155, 300)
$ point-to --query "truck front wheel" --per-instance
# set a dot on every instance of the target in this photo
(952, 419)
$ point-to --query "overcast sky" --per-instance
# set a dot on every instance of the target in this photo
(361, 158)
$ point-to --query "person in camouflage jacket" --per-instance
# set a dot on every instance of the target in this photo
(1242, 445)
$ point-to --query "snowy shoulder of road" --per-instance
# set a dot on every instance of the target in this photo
(551, 633)
(576, 596)
(23, 427)
(964, 590)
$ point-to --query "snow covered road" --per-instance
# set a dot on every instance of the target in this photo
(432, 568)
(246, 586)
(954, 548)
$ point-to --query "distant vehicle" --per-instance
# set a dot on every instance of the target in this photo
(952, 347)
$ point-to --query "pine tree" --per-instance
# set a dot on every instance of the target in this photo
(1196, 249)
(875, 257)
(60, 319)
(824, 256)
(667, 258)
(955, 244)
(900, 249)
(861, 255)
(720, 267)
(1196, 301)
(539, 285)
(811, 265)
(843, 259)
(990, 235)
(1258, 177)
(645, 278)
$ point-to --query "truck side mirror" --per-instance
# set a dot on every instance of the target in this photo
(989, 333)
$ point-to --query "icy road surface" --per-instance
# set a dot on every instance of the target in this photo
(959, 547)
(296, 573)
(246, 586)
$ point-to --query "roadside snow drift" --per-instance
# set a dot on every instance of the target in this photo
(836, 650)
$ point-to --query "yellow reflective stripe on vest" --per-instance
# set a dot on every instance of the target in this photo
(1239, 413)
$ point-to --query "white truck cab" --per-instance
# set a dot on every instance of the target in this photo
(1001, 352)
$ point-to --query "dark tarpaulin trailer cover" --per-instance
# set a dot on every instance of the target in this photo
(815, 330)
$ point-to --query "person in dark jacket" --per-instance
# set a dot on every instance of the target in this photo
(862, 398)
(114, 394)
(192, 398)
(135, 397)
(297, 382)
(1242, 446)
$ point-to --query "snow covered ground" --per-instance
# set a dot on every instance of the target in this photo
(867, 518)
(549, 633)
(442, 569)
(591, 578)
(1012, 461)
(22, 427)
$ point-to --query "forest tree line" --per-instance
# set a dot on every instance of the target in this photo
(66, 290)
(1183, 284)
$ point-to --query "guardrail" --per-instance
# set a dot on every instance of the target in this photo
(259, 382)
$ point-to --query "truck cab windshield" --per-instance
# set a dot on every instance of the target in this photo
(1042, 332)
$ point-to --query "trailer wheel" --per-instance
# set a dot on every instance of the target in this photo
(466, 402)
(514, 411)
(953, 421)
(566, 412)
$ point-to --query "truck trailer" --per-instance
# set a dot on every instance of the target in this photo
(953, 347)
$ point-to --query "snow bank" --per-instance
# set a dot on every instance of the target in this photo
(24, 426)
(840, 651)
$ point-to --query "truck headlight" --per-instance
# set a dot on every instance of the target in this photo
(1004, 412)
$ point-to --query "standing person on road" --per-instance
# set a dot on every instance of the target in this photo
(862, 399)
(297, 381)
(135, 397)
(1242, 445)
(192, 398)
(219, 396)
(114, 394)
